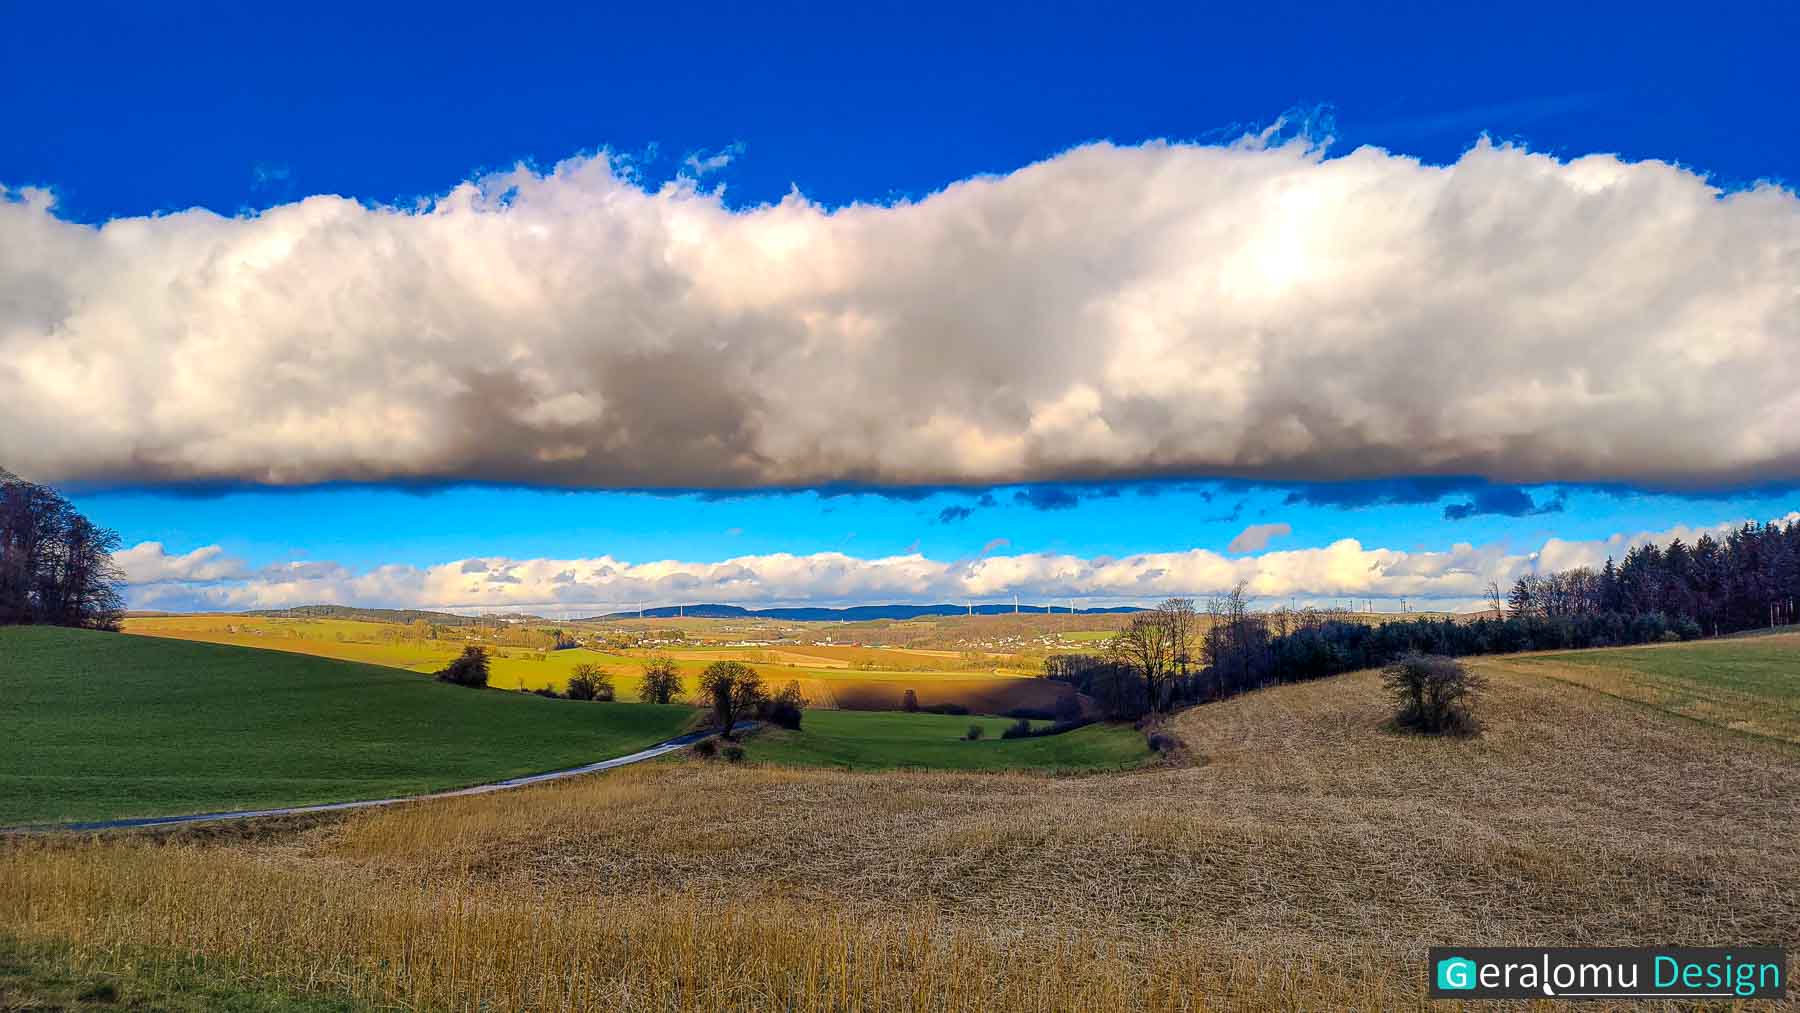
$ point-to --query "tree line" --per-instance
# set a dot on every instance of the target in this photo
(56, 566)
(1748, 579)
(1176, 654)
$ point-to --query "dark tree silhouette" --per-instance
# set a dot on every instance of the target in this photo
(56, 566)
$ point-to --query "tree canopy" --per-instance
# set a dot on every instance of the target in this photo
(56, 566)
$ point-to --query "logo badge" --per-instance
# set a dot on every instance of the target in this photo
(1455, 974)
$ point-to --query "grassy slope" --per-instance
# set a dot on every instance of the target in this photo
(1747, 684)
(872, 740)
(102, 725)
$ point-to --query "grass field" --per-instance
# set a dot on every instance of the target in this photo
(1747, 684)
(1304, 860)
(100, 725)
(860, 740)
(826, 674)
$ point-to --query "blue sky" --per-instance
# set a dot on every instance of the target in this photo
(122, 112)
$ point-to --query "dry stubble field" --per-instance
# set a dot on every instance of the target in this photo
(1304, 859)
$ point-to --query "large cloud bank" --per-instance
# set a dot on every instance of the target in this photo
(205, 579)
(1248, 309)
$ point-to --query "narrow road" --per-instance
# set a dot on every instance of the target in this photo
(660, 749)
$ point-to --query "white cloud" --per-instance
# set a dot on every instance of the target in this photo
(1256, 537)
(1244, 310)
(149, 563)
(1455, 578)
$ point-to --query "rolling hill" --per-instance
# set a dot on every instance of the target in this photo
(104, 725)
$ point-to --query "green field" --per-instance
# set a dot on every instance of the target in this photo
(102, 725)
(1747, 684)
(883, 740)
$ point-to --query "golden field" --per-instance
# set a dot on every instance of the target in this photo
(1301, 856)
(863, 678)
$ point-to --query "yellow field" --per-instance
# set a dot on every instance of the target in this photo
(827, 675)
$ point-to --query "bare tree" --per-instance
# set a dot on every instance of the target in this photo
(661, 682)
(734, 689)
(1147, 643)
(56, 566)
(1184, 626)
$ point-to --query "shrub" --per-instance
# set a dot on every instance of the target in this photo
(706, 748)
(786, 708)
(1020, 729)
(1435, 694)
(590, 682)
(733, 753)
(909, 701)
(975, 732)
(1163, 742)
(470, 668)
(946, 708)
(1032, 713)
(546, 691)
(661, 682)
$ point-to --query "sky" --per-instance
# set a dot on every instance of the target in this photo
(561, 310)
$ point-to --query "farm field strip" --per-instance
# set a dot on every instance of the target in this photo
(824, 677)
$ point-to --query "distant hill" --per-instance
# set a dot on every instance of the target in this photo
(853, 613)
(386, 615)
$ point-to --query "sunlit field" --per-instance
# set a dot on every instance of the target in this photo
(1302, 857)
(862, 678)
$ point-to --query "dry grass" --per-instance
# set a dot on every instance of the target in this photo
(1305, 861)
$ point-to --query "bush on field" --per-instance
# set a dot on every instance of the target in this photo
(975, 732)
(590, 682)
(1020, 729)
(470, 668)
(546, 691)
(1436, 695)
(909, 701)
(1163, 742)
(706, 748)
(733, 753)
(661, 682)
(946, 708)
(786, 708)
